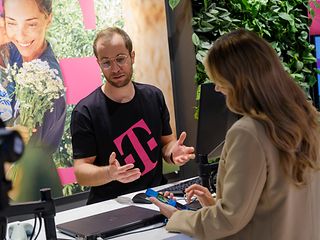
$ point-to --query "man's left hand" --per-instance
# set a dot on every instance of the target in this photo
(180, 154)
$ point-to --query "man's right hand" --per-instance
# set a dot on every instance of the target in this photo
(125, 174)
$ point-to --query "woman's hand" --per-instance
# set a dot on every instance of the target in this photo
(165, 209)
(23, 131)
(201, 193)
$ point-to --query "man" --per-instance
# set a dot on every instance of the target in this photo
(121, 131)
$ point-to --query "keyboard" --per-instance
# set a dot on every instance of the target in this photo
(178, 189)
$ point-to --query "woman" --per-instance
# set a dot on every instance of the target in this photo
(268, 185)
(26, 23)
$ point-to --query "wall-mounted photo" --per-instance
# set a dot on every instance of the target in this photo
(48, 66)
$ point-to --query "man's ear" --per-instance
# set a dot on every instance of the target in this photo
(132, 55)
(98, 62)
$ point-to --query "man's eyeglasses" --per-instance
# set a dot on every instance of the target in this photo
(120, 60)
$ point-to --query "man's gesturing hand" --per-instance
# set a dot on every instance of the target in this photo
(125, 174)
(181, 154)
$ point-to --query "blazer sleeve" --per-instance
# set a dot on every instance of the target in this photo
(243, 179)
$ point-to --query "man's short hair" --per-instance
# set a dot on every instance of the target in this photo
(108, 33)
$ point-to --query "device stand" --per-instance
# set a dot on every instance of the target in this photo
(3, 228)
(44, 208)
(206, 172)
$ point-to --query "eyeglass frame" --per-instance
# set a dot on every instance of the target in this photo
(114, 59)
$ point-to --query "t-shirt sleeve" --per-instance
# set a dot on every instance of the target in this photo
(83, 140)
(166, 130)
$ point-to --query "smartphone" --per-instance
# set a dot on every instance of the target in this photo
(151, 193)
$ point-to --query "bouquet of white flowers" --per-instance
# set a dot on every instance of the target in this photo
(37, 86)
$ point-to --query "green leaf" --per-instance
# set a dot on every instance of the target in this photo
(245, 3)
(312, 13)
(289, 7)
(304, 35)
(205, 45)
(221, 9)
(214, 11)
(173, 3)
(297, 76)
(199, 57)
(285, 16)
(299, 65)
(225, 14)
(266, 32)
(309, 59)
(316, 70)
(312, 81)
(195, 39)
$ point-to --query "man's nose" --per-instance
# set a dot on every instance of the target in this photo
(114, 66)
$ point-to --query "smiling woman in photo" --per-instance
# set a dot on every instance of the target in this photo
(26, 22)
(25, 25)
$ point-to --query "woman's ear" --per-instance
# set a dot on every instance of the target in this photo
(49, 19)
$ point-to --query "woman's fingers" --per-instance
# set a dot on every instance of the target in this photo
(165, 209)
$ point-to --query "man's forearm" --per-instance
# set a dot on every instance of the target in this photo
(90, 175)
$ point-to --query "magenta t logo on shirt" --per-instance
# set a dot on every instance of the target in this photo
(148, 164)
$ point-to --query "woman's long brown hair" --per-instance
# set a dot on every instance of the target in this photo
(257, 85)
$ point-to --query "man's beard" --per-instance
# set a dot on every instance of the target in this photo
(121, 83)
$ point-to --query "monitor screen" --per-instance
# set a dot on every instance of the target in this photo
(316, 88)
(214, 121)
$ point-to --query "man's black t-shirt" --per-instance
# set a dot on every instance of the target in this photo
(132, 130)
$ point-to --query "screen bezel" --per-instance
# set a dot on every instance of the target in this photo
(315, 89)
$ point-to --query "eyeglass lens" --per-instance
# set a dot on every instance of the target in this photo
(120, 60)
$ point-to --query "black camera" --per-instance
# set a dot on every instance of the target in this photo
(11, 145)
(11, 149)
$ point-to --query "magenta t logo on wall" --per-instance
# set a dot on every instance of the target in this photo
(148, 164)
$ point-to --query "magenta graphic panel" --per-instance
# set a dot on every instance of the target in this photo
(315, 26)
(89, 16)
(81, 76)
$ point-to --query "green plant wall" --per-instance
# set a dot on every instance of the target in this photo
(284, 24)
